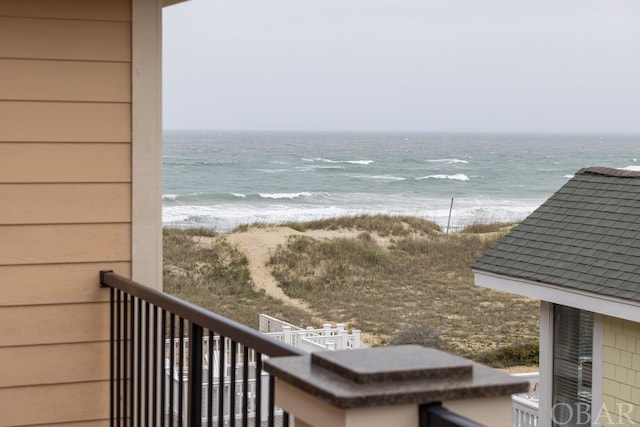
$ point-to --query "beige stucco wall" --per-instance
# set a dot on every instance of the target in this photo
(65, 202)
(621, 372)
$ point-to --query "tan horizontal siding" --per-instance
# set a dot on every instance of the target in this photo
(55, 283)
(36, 80)
(54, 364)
(65, 203)
(64, 122)
(112, 10)
(54, 162)
(49, 404)
(49, 244)
(65, 39)
(54, 324)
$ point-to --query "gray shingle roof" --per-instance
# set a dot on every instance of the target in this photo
(586, 236)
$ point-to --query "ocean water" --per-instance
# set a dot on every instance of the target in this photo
(221, 179)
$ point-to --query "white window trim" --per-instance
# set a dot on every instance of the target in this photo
(546, 364)
(545, 385)
(597, 369)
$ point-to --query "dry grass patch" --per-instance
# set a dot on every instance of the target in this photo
(201, 267)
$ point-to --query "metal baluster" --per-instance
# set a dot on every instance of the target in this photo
(195, 375)
(221, 375)
(181, 372)
(163, 370)
(258, 389)
(172, 356)
(272, 403)
(125, 356)
(245, 387)
(139, 318)
(111, 355)
(147, 352)
(210, 382)
(232, 386)
(154, 368)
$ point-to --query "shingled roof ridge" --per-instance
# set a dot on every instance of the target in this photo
(598, 170)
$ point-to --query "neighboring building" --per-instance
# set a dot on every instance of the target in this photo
(579, 253)
(80, 191)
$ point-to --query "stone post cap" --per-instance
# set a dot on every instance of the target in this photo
(391, 375)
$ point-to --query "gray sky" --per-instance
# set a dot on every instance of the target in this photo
(405, 65)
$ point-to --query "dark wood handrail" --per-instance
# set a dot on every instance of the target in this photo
(198, 315)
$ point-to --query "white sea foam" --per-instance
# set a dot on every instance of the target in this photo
(274, 170)
(353, 162)
(169, 196)
(456, 177)
(388, 177)
(308, 168)
(568, 176)
(227, 217)
(379, 177)
(448, 161)
(303, 194)
(240, 195)
(359, 162)
(466, 211)
(632, 168)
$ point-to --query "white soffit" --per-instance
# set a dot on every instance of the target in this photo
(609, 306)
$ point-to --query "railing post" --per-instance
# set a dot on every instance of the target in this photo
(356, 339)
(387, 385)
(286, 330)
(195, 376)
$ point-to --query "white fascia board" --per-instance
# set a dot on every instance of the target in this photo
(602, 304)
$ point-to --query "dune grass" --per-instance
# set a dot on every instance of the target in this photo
(417, 277)
(201, 267)
(400, 279)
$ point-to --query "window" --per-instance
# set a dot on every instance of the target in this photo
(572, 366)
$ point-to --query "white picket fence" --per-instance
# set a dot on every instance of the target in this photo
(525, 405)
(310, 339)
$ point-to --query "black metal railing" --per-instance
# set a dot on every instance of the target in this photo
(177, 364)
(436, 415)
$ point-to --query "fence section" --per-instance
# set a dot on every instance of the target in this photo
(311, 339)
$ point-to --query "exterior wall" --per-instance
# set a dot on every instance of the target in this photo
(65, 202)
(621, 372)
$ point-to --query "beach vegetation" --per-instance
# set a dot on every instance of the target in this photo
(418, 334)
(409, 283)
(201, 267)
(492, 227)
(383, 225)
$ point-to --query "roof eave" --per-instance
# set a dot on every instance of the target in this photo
(609, 306)
(166, 3)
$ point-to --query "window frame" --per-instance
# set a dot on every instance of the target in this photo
(546, 365)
